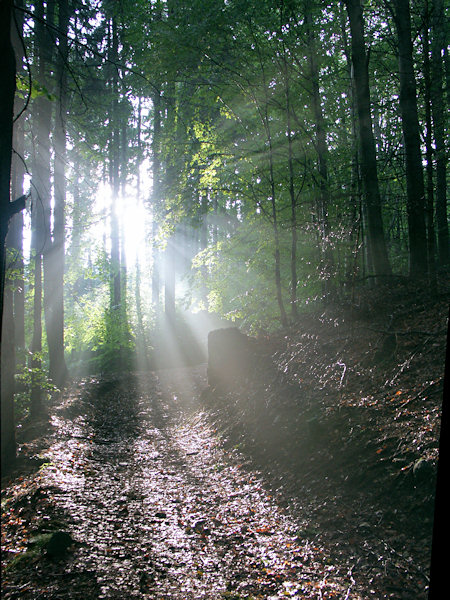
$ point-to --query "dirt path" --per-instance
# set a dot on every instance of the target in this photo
(159, 509)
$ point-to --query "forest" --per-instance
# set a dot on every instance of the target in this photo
(274, 172)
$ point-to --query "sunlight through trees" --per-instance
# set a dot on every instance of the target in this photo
(245, 160)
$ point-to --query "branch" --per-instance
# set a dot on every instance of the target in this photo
(16, 206)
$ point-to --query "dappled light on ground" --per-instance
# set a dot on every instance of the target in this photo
(159, 509)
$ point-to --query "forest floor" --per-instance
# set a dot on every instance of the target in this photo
(314, 478)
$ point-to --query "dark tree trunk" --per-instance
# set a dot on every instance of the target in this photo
(8, 368)
(322, 158)
(52, 241)
(116, 296)
(123, 183)
(16, 225)
(54, 258)
(7, 91)
(439, 111)
(41, 201)
(169, 279)
(418, 264)
(375, 230)
(36, 343)
(356, 224)
(156, 199)
(429, 213)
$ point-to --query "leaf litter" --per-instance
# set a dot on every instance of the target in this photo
(156, 506)
(315, 483)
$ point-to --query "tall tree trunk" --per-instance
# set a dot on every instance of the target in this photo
(276, 235)
(439, 50)
(7, 362)
(37, 228)
(7, 91)
(52, 247)
(169, 279)
(322, 157)
(156, 199)
(357, 231)
(41, 205)
(263, 112)
(17, 178)
(8, 369)
(418, 264)
(54, 258)
(123, 184)
(13, 322)
(116, 296)
(375, 230)
(429, 213)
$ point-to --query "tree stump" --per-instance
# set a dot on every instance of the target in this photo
(231, 357)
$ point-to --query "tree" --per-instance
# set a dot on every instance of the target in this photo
(439, 104)
(418, 266)
(54, 254)
(369, 170)
(322, 154)
(7, 209)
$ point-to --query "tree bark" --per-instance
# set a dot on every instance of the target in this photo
(54, 258)
(429, 212)
(15, 234)
(156, 199)
(7, 91)
(115, 299)
(322, 158)
(375, 229)
(418, 263)
(439, 106)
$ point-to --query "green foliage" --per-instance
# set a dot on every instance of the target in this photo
(37, 89)
(233, 159)
(28, 377)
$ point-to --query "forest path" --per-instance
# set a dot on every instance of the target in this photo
(160, 510)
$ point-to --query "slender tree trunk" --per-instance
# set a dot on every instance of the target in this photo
(439, 50)
(54, 258)
(156, 200)
(16, 224)
(141, 342)
(322, 157)
(169, 279)
(7, 358)
(37, 220)
(7, 91)
(141, 337)
(203, 244)
(53, 237)
(8, 369)
(356, 226)
(276, 236)
(375, 230)
(429, 213)
(116, 296)
(418, 266)
(264, 116)
(169, 186)
(41, 207)
(294, 225)
(13, 323)
(123, 184)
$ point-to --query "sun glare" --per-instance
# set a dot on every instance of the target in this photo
(133, 217)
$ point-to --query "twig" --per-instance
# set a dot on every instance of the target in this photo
(352, 580)
(402, 368)
(427, 387)
(409, 332)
